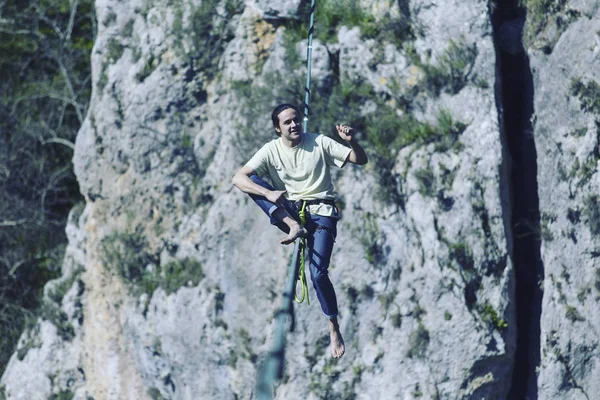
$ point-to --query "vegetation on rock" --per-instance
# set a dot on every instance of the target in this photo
(128, 254)
(330, 15)
(45, 47)
(588, 94)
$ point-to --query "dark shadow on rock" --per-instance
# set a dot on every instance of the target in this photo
(519, 191)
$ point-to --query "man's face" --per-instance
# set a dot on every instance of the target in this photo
(290, 126)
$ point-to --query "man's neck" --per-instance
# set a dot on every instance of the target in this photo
(292, 143)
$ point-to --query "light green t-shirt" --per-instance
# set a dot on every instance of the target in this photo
(302, 170)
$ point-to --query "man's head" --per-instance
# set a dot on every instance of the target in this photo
(278, 114)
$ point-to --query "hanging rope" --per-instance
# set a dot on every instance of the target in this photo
(272, 369)
(301, 273)
(308, 67)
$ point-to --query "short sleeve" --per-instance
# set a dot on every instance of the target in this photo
(259, 161)
(335, 153)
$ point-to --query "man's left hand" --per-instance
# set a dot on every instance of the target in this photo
(345, 132)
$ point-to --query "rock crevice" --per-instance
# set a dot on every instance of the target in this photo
(515, 97)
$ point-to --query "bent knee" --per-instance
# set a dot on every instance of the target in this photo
(256, 179)
(320, 276)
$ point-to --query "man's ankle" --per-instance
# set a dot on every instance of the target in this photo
(282, 215)
(291, 223)
(333, 323)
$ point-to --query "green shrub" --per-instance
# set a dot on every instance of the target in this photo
(461, 253)
(583, 171)
(490, 315)
(31, 343)
(321, 382)
(54, 314)
(367, 291)
(374, 252)
(103, 79)
(353, 299)
(59, 290)
(245, 343)
(128, 29)
(417, 392)
(580, 132)
(546, 220)
(592, 212)
(448, 131)
(258, 102)
(573, 315)
(444, 202)
(588, 95)
(330, 15)
(62, 395)
(396, 30)
(154, 394)
(583, 294)
(452, 71)
(210, 32)
(426, 180)
(418, 341)
(387, 299)
(179, 273)
(541, 12)
(376, 332)
(396, 319)
(109, 19)
(149, 67)
(129, 256)
(114, 50)
(388, 132)
(418, 311)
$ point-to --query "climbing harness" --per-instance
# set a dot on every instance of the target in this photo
(302, 250)
(272, 369)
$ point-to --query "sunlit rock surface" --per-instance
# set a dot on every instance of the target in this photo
(172, 277)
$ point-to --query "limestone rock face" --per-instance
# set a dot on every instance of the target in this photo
(565, 128)
(172, 277)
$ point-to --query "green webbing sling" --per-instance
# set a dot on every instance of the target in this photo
(301, 273)
(311, 29)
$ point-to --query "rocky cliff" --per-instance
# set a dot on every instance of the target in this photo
(465, 263)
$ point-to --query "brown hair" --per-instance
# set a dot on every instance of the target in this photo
(277, 110)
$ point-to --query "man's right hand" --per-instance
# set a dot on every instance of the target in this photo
(276, 196)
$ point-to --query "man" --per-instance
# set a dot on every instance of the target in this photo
(298, 164)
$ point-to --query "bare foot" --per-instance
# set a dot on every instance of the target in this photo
(337, 342)
(296, 231)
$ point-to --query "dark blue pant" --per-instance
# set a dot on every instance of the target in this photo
(320, 239)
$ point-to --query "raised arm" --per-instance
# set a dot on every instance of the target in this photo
(357, 155)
